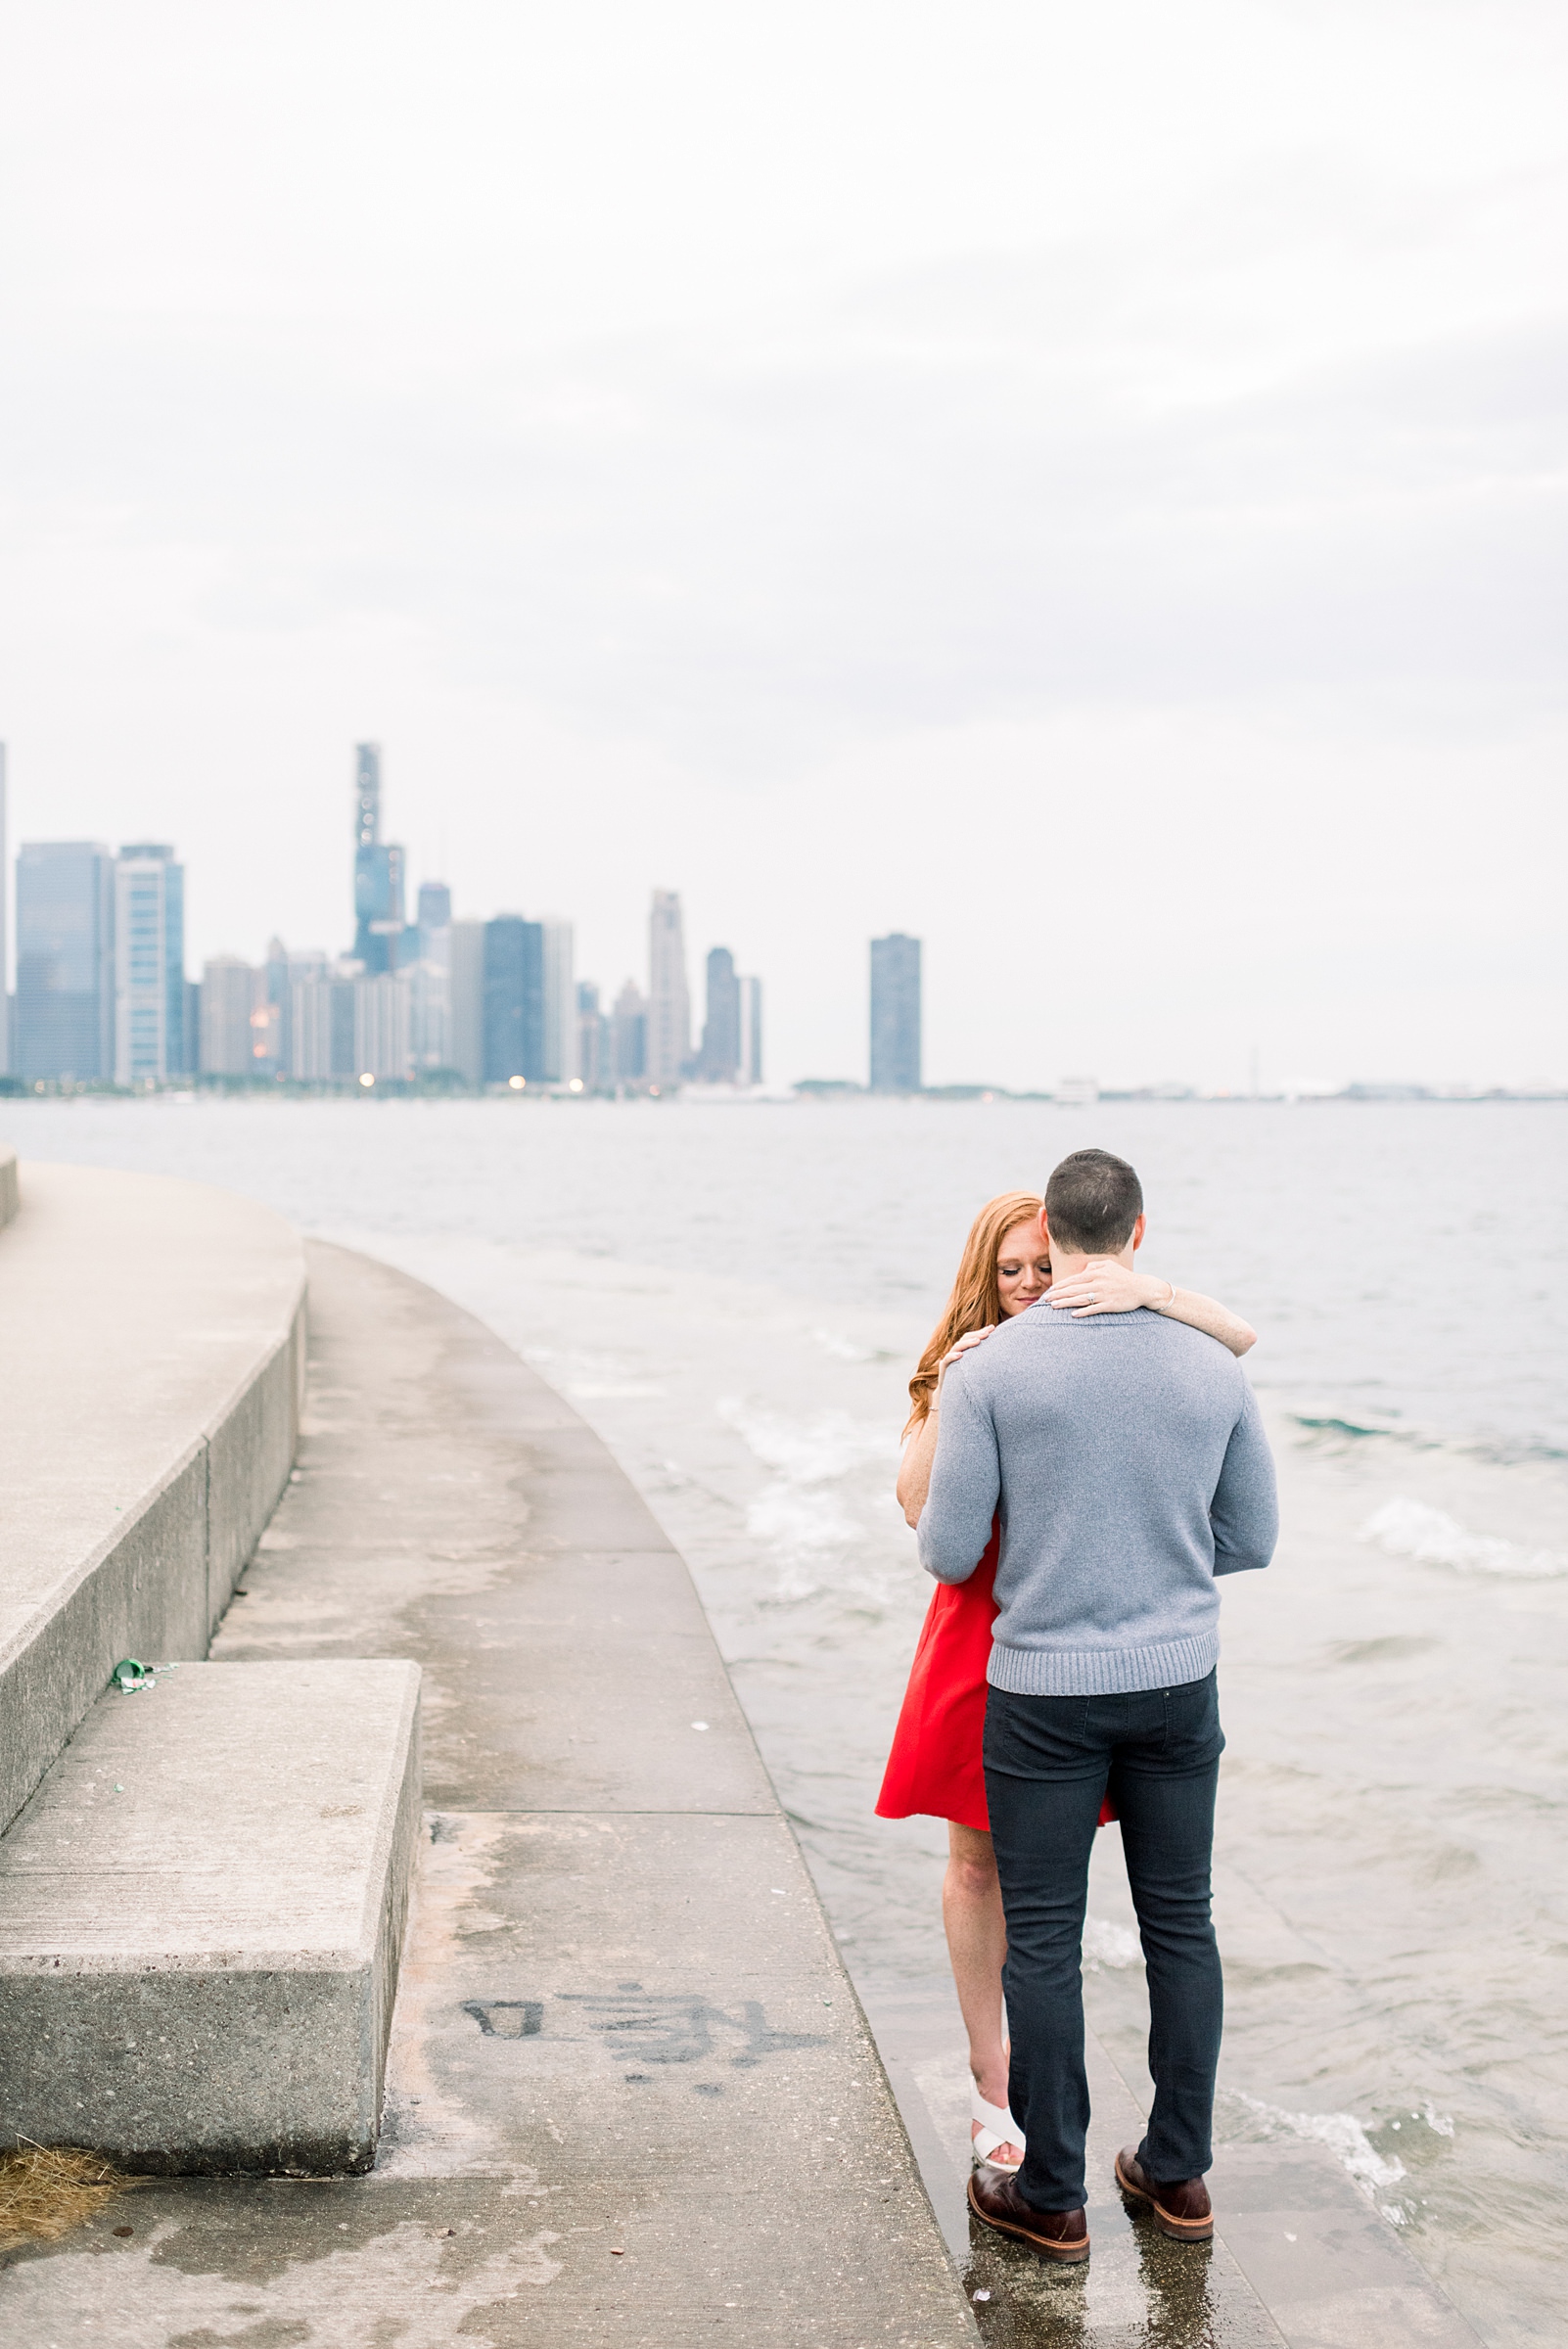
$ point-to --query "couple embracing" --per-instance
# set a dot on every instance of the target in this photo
(1083, 1460)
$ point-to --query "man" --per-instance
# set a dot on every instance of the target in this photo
(1126, 1457)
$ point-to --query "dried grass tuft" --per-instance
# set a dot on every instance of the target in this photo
(45, 2191)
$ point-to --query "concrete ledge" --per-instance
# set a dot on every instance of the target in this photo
(148, 1411)
(202, 1911)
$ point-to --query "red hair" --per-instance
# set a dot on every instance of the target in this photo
(976, 1300)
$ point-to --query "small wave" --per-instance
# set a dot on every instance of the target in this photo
(1345, 2136)
(801, 1514)
(842, 1349)
(797, 1520)
(1413, 1528)
(1353, 1428)
(808, 1451)
(1105, 1943)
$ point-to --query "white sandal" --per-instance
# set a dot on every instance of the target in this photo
(997, 2126)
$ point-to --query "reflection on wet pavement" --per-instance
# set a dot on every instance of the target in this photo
(1138, 2291)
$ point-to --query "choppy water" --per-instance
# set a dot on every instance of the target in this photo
(733, 1297)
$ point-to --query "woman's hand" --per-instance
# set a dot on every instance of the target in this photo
(1105, 1286)
(971, 1337)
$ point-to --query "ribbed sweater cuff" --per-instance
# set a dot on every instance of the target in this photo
(1101, 1670)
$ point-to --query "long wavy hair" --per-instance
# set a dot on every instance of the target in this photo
(976, 1300)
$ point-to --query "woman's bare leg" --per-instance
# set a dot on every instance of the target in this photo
(977, 1944)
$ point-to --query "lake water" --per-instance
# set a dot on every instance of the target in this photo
(733, 1296)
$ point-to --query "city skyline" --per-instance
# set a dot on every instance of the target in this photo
(480, 1000)
(422, 1010)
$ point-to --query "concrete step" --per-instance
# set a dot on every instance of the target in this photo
(202, 1911)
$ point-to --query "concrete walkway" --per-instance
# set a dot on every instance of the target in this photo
(632, 2098)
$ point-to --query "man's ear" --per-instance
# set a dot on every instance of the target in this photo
(1045, 1229)
(1138, 1233)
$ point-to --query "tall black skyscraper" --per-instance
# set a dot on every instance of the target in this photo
(378, 869)
(514, 999)
(720, 1060)
(896, 1014)
(64, 959)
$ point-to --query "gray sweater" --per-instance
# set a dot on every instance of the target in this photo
(1127, 1460)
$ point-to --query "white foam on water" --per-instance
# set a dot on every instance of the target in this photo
(813, 1511)
(1440, 2122)
(1413, 1528)
(1105, 1943)
(842, 1349)
(796, 1520)
(808, 1451)
(1346, 2137)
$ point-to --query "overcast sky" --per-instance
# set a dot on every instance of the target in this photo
(1084, 485)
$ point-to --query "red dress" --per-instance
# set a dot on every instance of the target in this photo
(937, 1766)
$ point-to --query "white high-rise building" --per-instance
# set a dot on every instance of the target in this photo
(560, 1002)
(310, 1025)
(381, 1026)
(430, 1013)
(228, 998)
(149, 965)
(669, 997)
(466, 1014)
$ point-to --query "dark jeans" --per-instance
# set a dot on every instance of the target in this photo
(1049, 1761)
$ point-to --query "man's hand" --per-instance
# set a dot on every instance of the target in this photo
(1105, 1286)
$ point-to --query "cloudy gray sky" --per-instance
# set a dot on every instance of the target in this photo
(1085, 486)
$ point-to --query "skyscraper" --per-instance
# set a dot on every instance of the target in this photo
(230, 992)
(466, 1035)
(430, 979)
(595, 1051)
(378, 869)
(64, 959)
(149, 964)
(668, 998)
(310, 1023)
(435, 913)
(274, 1029)
(514, 999)
(381, 1026)
(306, 1028)
(751, 1030)
(896, 1014)
(628, 1036)
(719, 1058)
(559, 1064)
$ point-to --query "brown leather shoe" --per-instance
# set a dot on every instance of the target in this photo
(1061, 2234)
(1183, 2212)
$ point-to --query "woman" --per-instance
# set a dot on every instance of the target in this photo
(935, 1765)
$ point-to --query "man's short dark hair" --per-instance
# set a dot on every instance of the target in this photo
(1093, 1202)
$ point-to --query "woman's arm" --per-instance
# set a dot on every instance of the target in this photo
(1207, 1313)
(1105, 1286)
(914, 1469)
